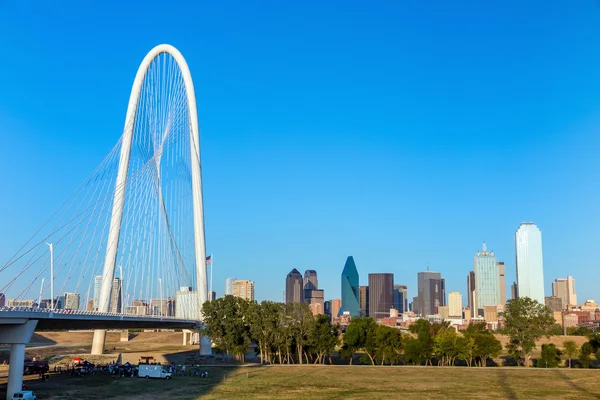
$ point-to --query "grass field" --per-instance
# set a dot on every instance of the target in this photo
(334, 382)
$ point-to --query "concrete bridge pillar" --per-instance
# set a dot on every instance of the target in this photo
(17, 334)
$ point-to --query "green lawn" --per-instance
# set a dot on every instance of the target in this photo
(335, 382)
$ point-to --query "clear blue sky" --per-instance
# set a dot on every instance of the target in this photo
(402, 133)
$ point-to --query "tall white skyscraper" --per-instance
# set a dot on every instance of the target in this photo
(530, 264)
(229, 286)
(97, 288)
(455, 305)
(487, 278)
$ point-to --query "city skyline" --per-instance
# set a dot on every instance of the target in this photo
(539, 160)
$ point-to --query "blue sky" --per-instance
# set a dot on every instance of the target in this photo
(402, 133)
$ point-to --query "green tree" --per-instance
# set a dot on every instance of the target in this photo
(360, 335)
(413, 351)
(388, 342)
(598, 355)
(465, 348)
(445, 346)
(225, 322)
(594, 340)
(323, 337)
(585, 355)
(550, 356)
(525, 321)
(578, 331)
(301, 322)
(570, 350)
(264, 323)
(425, 332)
(485, 346)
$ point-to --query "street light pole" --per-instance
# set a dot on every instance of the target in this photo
(51, 275)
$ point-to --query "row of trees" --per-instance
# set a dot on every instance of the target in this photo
(284, 333)
(289, 333)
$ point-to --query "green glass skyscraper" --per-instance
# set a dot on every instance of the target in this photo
(350, 301)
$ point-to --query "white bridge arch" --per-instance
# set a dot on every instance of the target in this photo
(121, 186)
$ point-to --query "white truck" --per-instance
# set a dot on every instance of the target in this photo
(152, 371)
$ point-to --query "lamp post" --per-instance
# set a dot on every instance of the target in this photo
(51, 275)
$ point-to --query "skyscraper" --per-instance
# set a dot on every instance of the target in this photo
(487, 278)
(530, 264)
(228, 286)
(455, 305)
(115, 296)
(71, 301)
(502, 276)
(336, 305)
(186, 303)
(243, 289)
(565, 289)
(401, 298)
(97, 288)
(310, 279)
(350, 302)
(471, 298)
(381, 295)
(514, 291)
(2, 300)
(294, 287)
(363, 299)
(315, 298)
(431, 293)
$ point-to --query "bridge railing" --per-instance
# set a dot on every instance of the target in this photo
(81, 312)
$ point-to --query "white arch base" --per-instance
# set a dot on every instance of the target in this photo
(118, 203)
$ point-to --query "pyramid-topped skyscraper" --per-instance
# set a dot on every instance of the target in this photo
(350, 302)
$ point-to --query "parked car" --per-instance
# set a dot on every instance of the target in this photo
(25, 395)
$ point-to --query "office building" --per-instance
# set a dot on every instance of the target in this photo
(2, 300)
(530, 264)
(327, 308)
(487, 279)
(228, 286)
(401, 298)
(554, 303)
(471, 297)
(381, 295)
(336, 305)
(20, 303)
(315, 298)
(171, 306)
(310, 279)
(186, 303)
(565, 289)
(444, 312)
(363, 300)
(294, 287)
(72, 301)
(455, 305)
(350, 302)
(97, 289)
(514, 291)
(115, 296)
(431, 293)
(502, 277)
(159, 307)
(243, 288)
(90, 305)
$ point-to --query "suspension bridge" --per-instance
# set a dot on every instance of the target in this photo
(126, 249)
